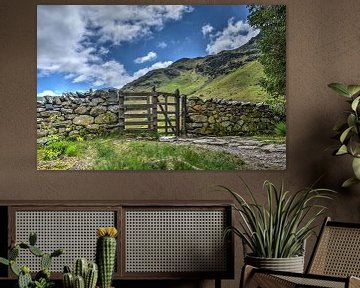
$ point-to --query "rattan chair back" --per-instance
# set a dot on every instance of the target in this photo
(337, 252)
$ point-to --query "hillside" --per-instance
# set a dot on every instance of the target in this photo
(230, 74)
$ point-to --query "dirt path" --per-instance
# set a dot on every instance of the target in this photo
(257, 155)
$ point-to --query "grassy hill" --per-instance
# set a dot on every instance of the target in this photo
(230, 74)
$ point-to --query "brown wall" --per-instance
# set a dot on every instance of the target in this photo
(323, 46)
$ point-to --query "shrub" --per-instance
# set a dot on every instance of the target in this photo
(280, 129)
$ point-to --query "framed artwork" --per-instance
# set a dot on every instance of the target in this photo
(161, 87)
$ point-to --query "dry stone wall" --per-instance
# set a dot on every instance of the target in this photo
(78, 114)
(96, 113)
(223, 117)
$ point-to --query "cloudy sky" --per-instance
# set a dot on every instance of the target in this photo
(82, 47)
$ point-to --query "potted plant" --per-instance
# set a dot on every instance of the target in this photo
(349, 132)
(276, 233)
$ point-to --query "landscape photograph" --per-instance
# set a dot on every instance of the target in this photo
(161, 87)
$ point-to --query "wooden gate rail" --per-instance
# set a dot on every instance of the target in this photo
(143, 111)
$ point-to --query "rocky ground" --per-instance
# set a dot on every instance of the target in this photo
(258, 155)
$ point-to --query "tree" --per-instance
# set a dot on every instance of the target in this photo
(271, 20)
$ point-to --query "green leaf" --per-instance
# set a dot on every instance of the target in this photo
(349, 182)
(340, 88)
(353, 89)
(342, 150)
(4, 261)
(351, 120)
(355, 103)
(345, 134)
(356, 167)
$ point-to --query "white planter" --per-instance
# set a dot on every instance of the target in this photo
(291, 264)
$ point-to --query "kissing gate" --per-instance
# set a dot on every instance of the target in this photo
(154, 111)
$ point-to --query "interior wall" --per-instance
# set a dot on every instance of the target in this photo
(323, 46)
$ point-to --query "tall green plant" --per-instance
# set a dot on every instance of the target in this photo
(279, 229)
(349, 131)
(271, 20)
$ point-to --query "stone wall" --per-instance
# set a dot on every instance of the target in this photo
(96, 113)
(223, 117)
(78, 114)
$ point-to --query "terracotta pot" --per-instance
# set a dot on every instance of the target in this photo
(291, 264)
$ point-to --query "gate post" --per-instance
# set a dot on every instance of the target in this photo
(183, 114)
(177, 112)
(121, 112)
(154, 109)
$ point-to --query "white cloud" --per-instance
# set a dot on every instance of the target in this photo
(103, 50)
(150, 56)
(156, 65)
(162, 45)
(70, 38)
(233, 36)
(47, 93)
(207, 29)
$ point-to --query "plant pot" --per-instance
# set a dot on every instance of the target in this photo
(291, 264)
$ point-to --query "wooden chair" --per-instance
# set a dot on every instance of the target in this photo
(335, 262)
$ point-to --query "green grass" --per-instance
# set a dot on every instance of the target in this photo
(150, 155)
(118, 153)
(188, 82)
(271, 139)
(242, 84)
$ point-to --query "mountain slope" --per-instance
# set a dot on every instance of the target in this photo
(229, 74)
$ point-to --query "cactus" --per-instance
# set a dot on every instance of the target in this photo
(13, 253)
(68, 280)
(4, 261)
(80, 267)
(23, 273)
(24, 279)
(79, 282)
(91, 276)
(36, 251)
(105, 254)
(45, 261)
(88, 273)
(32, 239)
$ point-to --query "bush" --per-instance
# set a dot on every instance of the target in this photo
(280, 129)
(55, 148)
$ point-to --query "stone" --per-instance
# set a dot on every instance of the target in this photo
(57, 100)
(49, 106)
(107, 117)
(66, 110)
(211, 119)
(70, 116)
(50, 113)
(74, 133)
(97, 110)
(83, 120)
(92, 127)
(194, 125)
(198, 118)
(114, 108)
(81, 110)
(96, 101)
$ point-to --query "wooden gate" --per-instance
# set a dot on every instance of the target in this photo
(159, 112)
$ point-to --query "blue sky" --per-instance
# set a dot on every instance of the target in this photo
(94, 46)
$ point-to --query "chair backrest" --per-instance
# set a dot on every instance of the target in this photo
(337, 251)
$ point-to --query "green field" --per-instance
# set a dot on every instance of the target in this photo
(242, 84)
(121, 154)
